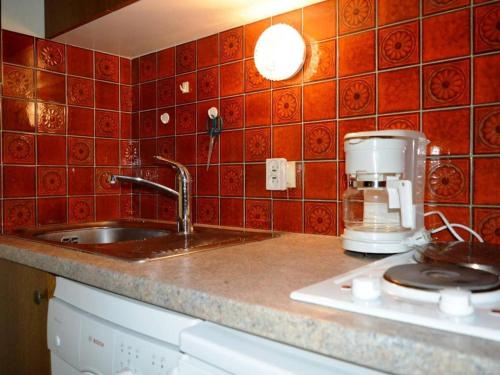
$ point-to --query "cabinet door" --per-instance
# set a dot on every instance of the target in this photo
(62, 16)
(24, 294)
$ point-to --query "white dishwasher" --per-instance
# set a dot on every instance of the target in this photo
(91, 331)
(96, 332)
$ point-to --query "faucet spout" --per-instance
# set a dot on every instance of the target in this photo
(183, 194)
(184, 182)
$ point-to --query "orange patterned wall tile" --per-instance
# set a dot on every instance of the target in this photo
(487, 181)
(446, 35)
(362, 71)
(320, 218)
(390, 11)
(355, 15)
(448, 131)
(320, 21)
(487, 130)
(357, 53)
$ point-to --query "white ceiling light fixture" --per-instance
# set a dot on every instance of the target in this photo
(280, 52)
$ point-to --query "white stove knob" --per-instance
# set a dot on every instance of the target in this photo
(456, 302)
(366, 288)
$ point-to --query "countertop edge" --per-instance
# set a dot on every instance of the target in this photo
(228, 309)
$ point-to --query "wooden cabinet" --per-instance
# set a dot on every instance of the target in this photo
(24, 294)
(62, 16)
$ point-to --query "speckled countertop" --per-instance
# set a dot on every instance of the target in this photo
(248, 286)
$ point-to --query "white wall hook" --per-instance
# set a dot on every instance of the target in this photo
(184, 87)
(165, 118)
(213, 113)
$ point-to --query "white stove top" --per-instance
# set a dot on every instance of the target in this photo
(479, 316)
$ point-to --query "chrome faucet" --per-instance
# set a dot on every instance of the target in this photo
(184, 181)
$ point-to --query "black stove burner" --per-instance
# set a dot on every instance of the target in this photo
(479, 256)
(436, 277)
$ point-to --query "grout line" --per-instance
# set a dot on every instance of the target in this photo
(471, 117)
(420, 67)
(36, 131)
(302, 151)
(337, 117)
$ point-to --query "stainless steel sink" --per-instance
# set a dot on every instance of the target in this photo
(101, 235)
(139, 240)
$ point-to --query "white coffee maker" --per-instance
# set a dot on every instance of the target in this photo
(384, 202)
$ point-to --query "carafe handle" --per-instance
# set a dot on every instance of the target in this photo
(400, 196)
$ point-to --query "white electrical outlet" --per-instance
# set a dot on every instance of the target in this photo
(276, 174)
(280, 174)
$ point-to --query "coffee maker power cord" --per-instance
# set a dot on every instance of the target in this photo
(450, 226)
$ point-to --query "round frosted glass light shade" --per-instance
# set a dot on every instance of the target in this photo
(279, 52)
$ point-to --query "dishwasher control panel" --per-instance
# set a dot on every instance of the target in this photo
(88, 343)
(142, 356)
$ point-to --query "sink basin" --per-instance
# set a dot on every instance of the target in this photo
(101, 235)
(138, 240)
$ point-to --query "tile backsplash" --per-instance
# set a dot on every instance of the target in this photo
(66, 124)
(426, 65)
